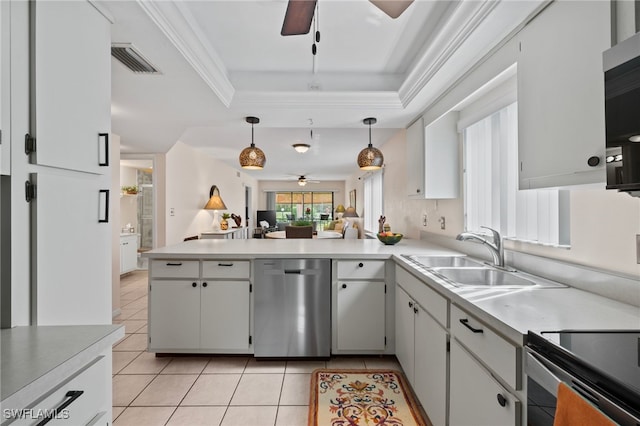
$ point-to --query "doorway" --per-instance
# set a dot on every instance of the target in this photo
(137, 213)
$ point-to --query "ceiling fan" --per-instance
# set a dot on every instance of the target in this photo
(299, 14)
(302, 180)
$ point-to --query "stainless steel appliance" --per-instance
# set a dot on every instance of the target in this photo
(602, 366)
(292, 305)
(622, 103)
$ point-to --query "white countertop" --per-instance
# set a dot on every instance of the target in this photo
(222, 231)
(36, 358)
(509, 312)
(255, 248)
(513, 312)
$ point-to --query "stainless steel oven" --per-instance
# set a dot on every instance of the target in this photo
(602, 366)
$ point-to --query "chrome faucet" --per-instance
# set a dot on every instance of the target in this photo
(495, 248)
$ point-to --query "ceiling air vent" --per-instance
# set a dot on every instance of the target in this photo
(132, 59)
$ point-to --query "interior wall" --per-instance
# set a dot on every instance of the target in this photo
(189, 176)
(128, 204)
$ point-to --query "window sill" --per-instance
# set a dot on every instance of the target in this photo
(539, 244)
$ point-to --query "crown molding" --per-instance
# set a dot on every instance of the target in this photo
(455, 31)
(348, 100)
(179, 26)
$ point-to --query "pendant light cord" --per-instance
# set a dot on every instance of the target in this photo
(370, 145)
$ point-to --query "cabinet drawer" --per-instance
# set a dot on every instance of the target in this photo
(499, 355)
(425, 296)
(91, 380)
(226, 269)
(175, 269)
(359, 269)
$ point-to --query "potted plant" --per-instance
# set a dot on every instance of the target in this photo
(224, 225)
(130, 190)
(302, 223)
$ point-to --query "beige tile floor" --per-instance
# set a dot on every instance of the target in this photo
(193, 391)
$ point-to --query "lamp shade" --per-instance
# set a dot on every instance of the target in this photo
(340, 208)
(350, 212)
(252, 157)
(370, 158)
(215, 201)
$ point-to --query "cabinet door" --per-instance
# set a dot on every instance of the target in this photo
(404, 332)
(224, 321)
(415, 159)
(174, 315)
(5, 146)
(430, 382)
(475, 397)
(561, 95)
(72, 286)
(128, 254)
(361, 315)
(72, 85)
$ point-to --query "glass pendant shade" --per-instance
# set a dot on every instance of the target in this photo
(252, 157)
(370, 158)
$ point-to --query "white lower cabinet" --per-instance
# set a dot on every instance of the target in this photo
(476, 398)
(224, 315)
(421, 348)
(174, 315)
(359, 305)
(199, 312)
(361, 315)
(128, 253)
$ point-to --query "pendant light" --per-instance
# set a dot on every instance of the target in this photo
(252, 157)
(370, 158)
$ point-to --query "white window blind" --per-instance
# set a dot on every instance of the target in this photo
(492, 197)
(372, 201)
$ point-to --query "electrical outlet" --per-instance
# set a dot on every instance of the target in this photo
(424, 220)
(172, 211)
(442, 222)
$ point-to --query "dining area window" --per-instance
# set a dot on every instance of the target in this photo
(308, 205)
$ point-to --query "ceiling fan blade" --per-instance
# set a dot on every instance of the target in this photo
(297, 19)
(393, 8)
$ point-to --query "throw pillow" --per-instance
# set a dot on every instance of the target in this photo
(339, 226)
(331, 226)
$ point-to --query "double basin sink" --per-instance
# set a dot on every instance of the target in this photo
(465, 272)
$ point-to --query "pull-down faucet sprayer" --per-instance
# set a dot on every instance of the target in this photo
(494, 247)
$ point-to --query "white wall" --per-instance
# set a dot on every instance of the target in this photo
(128, 204)
(189, 176)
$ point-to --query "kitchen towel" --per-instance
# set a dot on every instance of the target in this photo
(573, 410)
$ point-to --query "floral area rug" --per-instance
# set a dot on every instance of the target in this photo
(362, 398)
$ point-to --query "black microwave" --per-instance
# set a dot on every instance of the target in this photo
(622, 115)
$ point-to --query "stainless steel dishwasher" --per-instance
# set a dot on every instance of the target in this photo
(292, 305)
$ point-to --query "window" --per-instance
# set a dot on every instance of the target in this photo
(301, 205)
(491, 195)
(372, 201)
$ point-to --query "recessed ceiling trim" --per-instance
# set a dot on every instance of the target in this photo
(455, 31)
(177, 24)
(355, 100)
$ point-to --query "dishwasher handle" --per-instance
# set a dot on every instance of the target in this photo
(293, 271)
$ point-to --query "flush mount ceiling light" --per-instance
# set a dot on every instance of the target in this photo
(370, 158)
(252, 157)
(635, 138)
(301, 147)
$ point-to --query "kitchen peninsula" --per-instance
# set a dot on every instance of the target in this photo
(201, 300)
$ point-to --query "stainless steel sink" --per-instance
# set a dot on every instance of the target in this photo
(445, 261)
(483, 277)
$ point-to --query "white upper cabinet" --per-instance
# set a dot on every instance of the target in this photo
(561, 95)
(432, 159)
(72, 68)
